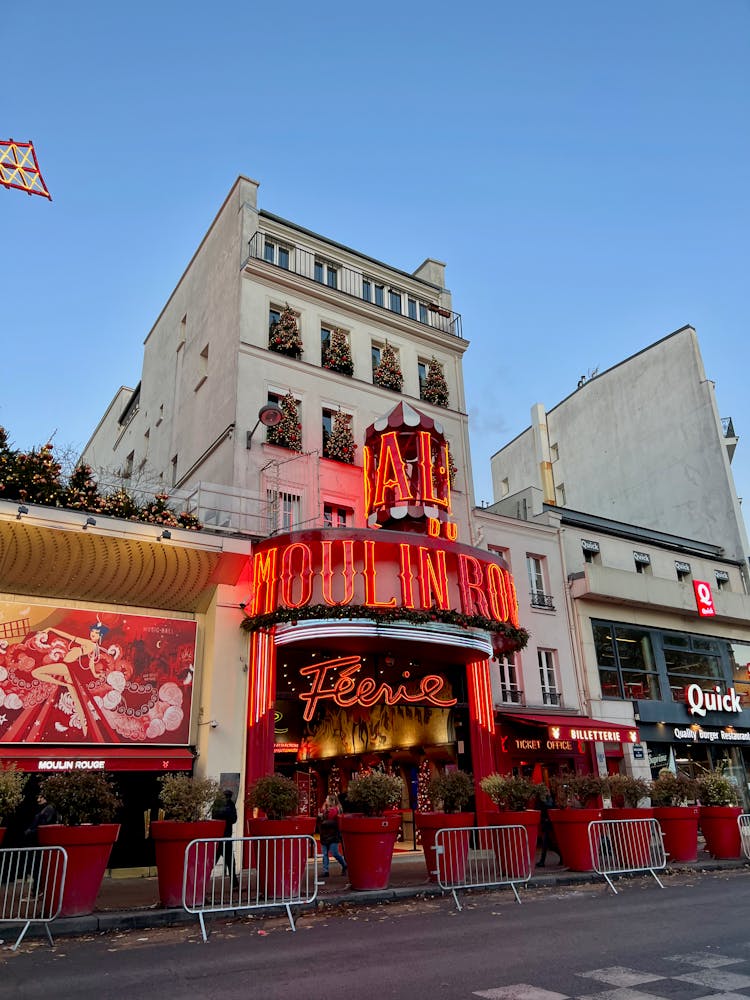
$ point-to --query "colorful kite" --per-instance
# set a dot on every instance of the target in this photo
(19, 169)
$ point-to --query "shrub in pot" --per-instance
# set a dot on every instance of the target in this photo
(187, 804)
(578, 801)
(719, 810)
(670, 794)
(632, 843)
(512, 794)
(12, 783)
(369, 839)
(449, 792)
(280, 862)
(626, 792)
(86, 803)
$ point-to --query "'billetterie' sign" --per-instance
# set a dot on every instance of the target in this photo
(383, 570)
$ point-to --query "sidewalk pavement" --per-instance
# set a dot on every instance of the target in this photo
(133, 903)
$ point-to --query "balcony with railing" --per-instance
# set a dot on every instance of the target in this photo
(322, 270)
(541, 600)
(511, 694)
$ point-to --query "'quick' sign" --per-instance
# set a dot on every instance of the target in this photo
(701, 701)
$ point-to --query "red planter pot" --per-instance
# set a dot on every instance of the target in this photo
(679, 824)
(281, 864)
(719, 826)
(88, 849)
(572, 834)
(512, 862)
(457, 845)
(171, 839)
(2, 835)
(368, 848)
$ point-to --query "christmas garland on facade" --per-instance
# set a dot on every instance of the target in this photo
(255, 623)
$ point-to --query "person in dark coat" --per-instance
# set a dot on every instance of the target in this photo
(46, 816)
(330, 837)
(228, 812)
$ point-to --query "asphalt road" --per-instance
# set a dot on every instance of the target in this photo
(688, 941)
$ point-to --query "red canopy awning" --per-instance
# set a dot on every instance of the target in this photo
(57, 759)
(579, 728)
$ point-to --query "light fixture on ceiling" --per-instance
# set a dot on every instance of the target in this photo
(270, 415)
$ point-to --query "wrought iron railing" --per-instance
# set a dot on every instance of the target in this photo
(356, 284)
(551, 698)
(511, 694)
(541, 600)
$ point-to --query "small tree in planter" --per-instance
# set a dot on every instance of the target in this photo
(670, 794)
(284, 336)
(449, 791)
(187, 804)
(340, 445)
(12, 782)
(719, 810)
(280, 861)
(578, 798)
(369, 840)
(338, 354)
(288, 432)
(86, 803)
(435, 388)
(626, 792)
(512, 795)
(388, 374)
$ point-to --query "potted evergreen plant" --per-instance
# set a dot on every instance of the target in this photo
(670, 794)
(578, 801)
(449, 792)
(626, 793)
(187, 804)
(280, 863)
(12, 782)
(514, 796)
(719, 810)
(86, 803)
(370, 837)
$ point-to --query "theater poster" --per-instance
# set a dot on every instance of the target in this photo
(72, 676)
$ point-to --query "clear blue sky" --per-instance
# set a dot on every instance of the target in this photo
(582, 168)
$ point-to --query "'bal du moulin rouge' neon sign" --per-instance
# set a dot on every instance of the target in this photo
(346, 691)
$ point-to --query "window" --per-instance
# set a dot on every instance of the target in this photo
(590, 551)
(642, 561)
(327, 428)
(375, 353)
(326, 274)
(161, 415)
(325, 342)
(692, 660)
(626, 663)
(422, 373)
(367, 289)
(560, 494)
(554, 452)
(411, 308)
(682, 569)
(510, 691)
(548, 677)
(379, 295)
(274, 315)
(536, 566)
(722, 579)
(275, 253)
(174, 470)
(739, 658)
(422, 313)
(504, 487)
(127, 470)
(284, 510)
(202, 368)
(394, 301)
(501, 551)
(337, 517)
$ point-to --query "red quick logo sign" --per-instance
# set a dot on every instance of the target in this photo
(703, 599)
(700, 701)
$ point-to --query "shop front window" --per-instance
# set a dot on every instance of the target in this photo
(739, 658)
(689, 664)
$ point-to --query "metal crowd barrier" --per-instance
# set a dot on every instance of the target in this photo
(283, 871)
(626, 846)
(743, 822)
(473, 857)
(32, 882)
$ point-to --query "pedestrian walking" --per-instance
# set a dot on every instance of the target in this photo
(330, 836)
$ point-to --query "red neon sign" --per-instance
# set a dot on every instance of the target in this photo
(346, 690)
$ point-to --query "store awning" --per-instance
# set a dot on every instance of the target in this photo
(579, 728)
(58, 760)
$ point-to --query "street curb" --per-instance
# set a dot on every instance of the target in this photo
(106, 922)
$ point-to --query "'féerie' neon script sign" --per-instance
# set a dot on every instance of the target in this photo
(347, 691)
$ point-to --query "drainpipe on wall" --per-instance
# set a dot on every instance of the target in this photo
(543, 454)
